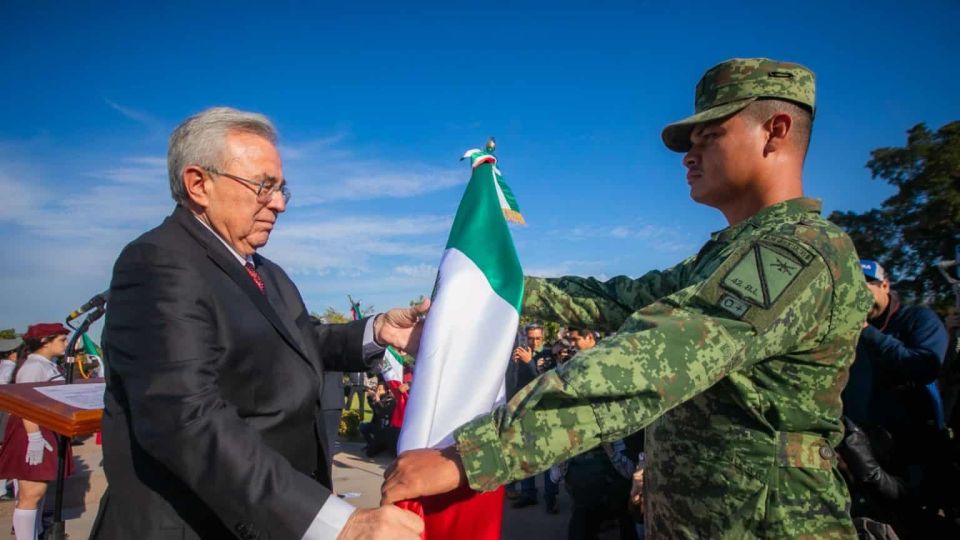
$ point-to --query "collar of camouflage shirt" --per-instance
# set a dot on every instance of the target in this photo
(786, 210)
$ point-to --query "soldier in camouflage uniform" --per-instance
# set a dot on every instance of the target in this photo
(733, 360)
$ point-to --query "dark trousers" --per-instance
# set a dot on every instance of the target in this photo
(358, 391)
(528, 486)
(585, 523)
(379, 438)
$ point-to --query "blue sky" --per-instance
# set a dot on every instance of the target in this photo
(375, 104)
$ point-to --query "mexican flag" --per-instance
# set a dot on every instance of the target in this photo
(392, 367)
(392, 371)
(93, 358)
(355, 312)
(466, 344)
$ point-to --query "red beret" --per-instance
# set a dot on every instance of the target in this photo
(42, 330)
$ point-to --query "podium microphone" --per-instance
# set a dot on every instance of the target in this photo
(97, 301)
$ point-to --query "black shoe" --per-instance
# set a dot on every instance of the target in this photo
(524, 501)
(552, 506)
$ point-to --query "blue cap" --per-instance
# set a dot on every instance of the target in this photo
(872, 270)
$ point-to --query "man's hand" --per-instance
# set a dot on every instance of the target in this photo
(401, 327)
(419, 473)
(523, 354)
(384, 522)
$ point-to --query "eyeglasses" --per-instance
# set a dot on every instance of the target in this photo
(265, 189)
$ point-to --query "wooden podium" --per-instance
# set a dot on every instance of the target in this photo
(66, 421)
(25, 402)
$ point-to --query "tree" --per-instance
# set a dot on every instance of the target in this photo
(551, 329)
(332, 316)
(920, 224)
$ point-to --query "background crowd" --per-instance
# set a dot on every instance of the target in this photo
(900, 457)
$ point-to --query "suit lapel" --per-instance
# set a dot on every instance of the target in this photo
(276, 300)
(227, 262)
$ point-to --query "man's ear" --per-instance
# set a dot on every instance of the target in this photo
(194, 182)
(778, 130)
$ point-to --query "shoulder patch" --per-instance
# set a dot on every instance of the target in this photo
(738, 308)
(764, 272)
(791, 246)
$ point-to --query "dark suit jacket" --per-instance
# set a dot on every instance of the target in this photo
(212, 421)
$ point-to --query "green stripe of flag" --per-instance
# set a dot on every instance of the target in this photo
(481, 233)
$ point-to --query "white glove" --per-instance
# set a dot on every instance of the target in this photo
(35, 445)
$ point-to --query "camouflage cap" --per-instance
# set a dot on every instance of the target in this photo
(728, 87)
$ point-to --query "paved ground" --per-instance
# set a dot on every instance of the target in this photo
(355, 476)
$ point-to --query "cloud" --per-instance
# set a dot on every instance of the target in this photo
(365, 227)
(130, 113)
(663, 239)
(323, 171)
(68, 214)
(306, 150)
(416, 270)
(350, 245)
(20, 198)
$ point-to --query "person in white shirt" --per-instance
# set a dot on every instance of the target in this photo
(9, 347)
(10, 344)
(29, 451)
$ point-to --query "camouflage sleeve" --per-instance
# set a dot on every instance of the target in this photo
(665, 354)
(599, 305)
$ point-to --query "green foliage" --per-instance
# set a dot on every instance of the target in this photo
(350, 424)
(920, 224)
(551, 329)
(333, 316)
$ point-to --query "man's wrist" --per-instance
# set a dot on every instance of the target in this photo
(377, 327)
(453, 454)
(480, 454)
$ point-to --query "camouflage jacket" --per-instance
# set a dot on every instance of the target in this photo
(734, 361)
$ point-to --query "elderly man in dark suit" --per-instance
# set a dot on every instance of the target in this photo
(212, 426)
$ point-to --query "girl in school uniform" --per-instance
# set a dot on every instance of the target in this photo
(29, 451)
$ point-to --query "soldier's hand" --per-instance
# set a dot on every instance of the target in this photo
(384, 522)
(419, 473)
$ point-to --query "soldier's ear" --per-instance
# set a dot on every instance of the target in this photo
(777, 129)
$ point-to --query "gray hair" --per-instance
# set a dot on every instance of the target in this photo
(199, 140)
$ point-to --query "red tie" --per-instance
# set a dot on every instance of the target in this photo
(255, 277)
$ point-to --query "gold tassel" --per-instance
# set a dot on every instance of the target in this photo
(514, 216)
